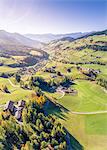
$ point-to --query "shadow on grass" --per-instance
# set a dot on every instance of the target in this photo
(54, 109)
(74, 144)
(58, 110)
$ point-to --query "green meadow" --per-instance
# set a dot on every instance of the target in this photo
(6, 69)
(16, 93)
(90, 130)
(90, 97)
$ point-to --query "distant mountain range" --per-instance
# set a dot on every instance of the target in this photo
(104, 32)
(64, 43)
(16, 39)
(46, 38)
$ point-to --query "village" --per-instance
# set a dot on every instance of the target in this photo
(89, 72)
(15, 110)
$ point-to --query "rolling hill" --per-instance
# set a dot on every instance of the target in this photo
(14, 45)
(50, 37)
(89, 50)
(9, 39)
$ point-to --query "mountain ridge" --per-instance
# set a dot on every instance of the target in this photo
(46, 38)
(7, 38)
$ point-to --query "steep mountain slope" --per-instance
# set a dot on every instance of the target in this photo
(20, 50)
(70, 39)
(46, 38)
(104, 32)
(88, 49)
(50, 37)
(7, 38)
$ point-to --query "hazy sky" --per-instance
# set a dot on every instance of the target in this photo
(53, 16)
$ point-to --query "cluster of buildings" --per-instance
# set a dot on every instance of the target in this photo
(67, 90)
(50, 70)
(89, 71)
(26, 70)
(15, 110)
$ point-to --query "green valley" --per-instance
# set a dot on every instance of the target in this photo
(67, 81)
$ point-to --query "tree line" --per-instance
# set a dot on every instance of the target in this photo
(37, 131)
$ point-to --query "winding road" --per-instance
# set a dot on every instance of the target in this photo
(13, 84)
(89, 113)
(76, 112)
(73, 112)
(62, 92)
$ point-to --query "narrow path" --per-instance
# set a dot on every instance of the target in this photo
(73, 112)
(63, 94)
(89, 113)
(13, 84)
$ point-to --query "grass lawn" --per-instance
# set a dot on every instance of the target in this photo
(44, 75)
(90, 97)
(7, 61)
(15, 93)
(89, 130)
(103, 69)
(7, 69)
(96, 124)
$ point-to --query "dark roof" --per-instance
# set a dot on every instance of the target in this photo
(21, 103)
(9, 105)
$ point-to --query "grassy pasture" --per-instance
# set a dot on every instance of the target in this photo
(15, 92)
(90, 97)
(85, 55)
(6, 69)
(100, 38)
(7, 61)
(89, 130)
(102, 68)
